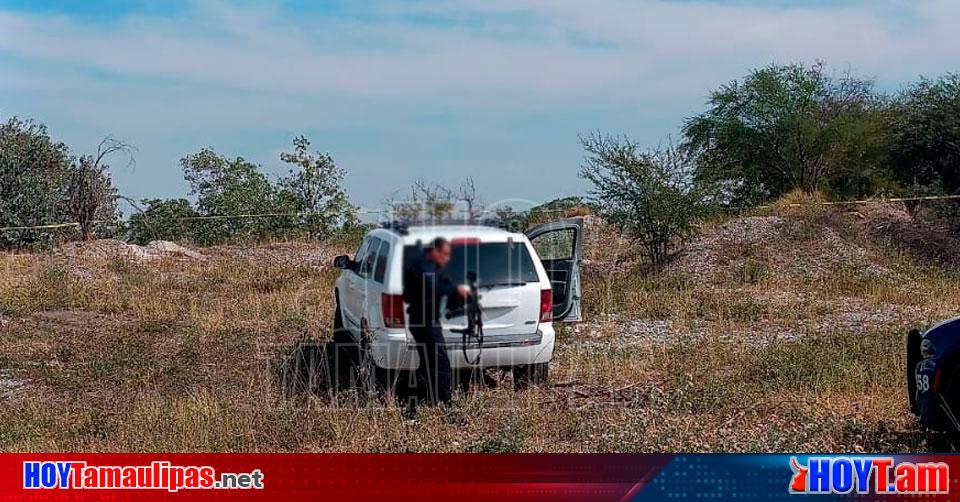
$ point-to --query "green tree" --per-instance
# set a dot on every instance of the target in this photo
(91, 198)
(168, 220)
(226, 190)
(33, 172)
(926, 135)
(314, 188)
(651, 196)
(787, 127)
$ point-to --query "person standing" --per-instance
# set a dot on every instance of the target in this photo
(424, 286)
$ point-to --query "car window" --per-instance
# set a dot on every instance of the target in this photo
(370, 257)
(496, 263)
(380, 270)
(361, 250)
(556, 245)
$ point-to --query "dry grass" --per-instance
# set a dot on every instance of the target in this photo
(183, 355)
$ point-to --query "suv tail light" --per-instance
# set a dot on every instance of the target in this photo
(546, 305)
(392, 311)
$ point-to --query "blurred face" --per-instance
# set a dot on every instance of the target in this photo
(440, 255)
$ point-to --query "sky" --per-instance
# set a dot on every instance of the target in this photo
(496, 90)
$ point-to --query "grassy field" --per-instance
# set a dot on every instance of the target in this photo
(764, 345)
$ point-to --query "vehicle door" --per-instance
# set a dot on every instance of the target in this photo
(365, 275)
(560, 247)
(351, 300)
(375, 270)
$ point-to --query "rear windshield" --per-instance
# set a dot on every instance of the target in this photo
(496, 263)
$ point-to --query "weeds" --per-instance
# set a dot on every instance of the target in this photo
(183, 355)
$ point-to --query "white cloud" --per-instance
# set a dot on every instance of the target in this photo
(219, 67)
(638, 45)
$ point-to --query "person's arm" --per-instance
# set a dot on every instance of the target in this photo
(451, 290)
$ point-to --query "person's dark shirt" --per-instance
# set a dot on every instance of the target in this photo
(424, 285)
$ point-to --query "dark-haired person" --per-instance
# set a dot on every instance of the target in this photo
(424, 286)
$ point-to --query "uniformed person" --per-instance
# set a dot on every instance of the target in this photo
(425, 285)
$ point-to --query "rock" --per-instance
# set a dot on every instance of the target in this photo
(172, 248)
(10, 386)
(112, 248)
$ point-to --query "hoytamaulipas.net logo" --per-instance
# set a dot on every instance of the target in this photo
(159, 475)
(868, 475)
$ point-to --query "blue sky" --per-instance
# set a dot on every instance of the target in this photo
(397, 90)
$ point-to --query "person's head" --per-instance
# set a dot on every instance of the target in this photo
(439, 252)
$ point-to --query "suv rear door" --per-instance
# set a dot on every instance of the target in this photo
(352, 301)
(560, 246)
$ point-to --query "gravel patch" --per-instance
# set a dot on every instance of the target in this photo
(10, 387)
(315, 255)
(848, 315)
(784, 248)
(112, 248)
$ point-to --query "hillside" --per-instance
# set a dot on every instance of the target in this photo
(780, 330)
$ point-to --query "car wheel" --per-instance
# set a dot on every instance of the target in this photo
(469, 378)
(531, 374)
(344, 356)
(340, 334)
(369, 377)
(913, 359)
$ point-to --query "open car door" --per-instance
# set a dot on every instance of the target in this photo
(560, 246)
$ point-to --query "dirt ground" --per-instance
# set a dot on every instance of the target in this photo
(780, 330)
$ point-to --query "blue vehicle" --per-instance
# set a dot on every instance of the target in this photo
(933, 375)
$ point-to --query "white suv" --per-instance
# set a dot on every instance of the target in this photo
(526, 282)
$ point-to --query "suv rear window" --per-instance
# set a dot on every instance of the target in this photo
(496, 263)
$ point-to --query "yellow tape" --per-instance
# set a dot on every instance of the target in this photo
(40, 227)
(865, 201)
(367, 211)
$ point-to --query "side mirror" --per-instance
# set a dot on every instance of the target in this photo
(343, 262)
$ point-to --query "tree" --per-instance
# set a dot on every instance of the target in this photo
(926, 135)
(91, 198)
(787, 127)
(33, 171)
(651, 196)
(314, 187)
(433, 202)
(228, 189)
(473, 205)
(168, 220)
(430, 202)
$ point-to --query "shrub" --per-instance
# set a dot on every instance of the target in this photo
(786, 127)
(228, 189)
(33, 171)
(162, 220)
(926, 136)
(649, 195)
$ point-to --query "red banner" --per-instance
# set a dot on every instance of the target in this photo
(291, 477)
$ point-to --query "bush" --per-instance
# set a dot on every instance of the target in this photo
(650, 195)
(33, 173)
(926, 136)
(162, 220)
(314, 188)
(786, 127)
(236, 202)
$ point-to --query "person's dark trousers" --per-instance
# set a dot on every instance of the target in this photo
(433, 372)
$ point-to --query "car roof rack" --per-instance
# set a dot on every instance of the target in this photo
(402, 227)
(396, 226)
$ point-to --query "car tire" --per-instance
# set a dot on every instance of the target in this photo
(344, 356)
(531, 375)
(368, 376)
(913, 359)
(466, 379)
